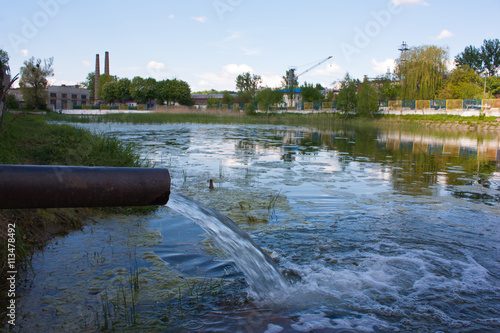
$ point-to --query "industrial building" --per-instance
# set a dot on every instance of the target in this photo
(60, 97)
(64, 97)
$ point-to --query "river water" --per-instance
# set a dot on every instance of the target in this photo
(373, 230)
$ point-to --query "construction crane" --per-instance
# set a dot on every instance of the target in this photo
(291, 74)
(292, 77)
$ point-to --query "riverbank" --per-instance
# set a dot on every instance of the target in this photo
(30, 140)
(187, 115)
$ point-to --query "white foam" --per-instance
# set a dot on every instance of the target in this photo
(396, 284)
(271, 328)
(309, 322)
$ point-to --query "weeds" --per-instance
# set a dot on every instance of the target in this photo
(134, 277)
(272, 202)
(117, 312)
(221, 170)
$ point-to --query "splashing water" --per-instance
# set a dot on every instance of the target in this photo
(259, 269)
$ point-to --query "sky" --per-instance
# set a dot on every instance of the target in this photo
(208, 43)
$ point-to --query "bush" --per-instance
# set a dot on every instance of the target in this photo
(12, 103)
(250, 109)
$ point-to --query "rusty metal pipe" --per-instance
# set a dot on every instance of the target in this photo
(27, 186)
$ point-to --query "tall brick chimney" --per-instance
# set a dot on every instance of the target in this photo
(106, 63)
(96, 77)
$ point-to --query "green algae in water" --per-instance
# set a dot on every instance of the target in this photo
(70, 291)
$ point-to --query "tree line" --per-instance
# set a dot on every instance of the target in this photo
(34, 76)
(421, 73)
(143, 91)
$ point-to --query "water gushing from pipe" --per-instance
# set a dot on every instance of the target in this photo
(259, 269)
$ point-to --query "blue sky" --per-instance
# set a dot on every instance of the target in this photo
(208, 43)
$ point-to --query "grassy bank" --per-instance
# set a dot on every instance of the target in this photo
(235, 117)
(30, 140)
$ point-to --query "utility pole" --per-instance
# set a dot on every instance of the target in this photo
(403, 48)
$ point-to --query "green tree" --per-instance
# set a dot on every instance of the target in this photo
(163, 91)
(421, 71)
(462, 83)
(123, 90)
(287, 80)
(211, 91)
(103, 80)
(247, 85)
(269, 98)
(34, 81)
(212, 102)
(490, 54)
(311, 93)
(89, 84)
(109, 92)
(346, 98)
(4, 69)
(138, 90)
(150, 91)
(388, 90)
(367, 98)
(470, 57)
(180, 92)
(330, 96)
(227, 98)
(493, 86)
(485, 58)
(4, 72)
(12, 102)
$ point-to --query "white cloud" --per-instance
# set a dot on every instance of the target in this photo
(410, 2)
(444, 34)
(271, 80)
(450, 64)
(381, 67)
(171, 16)
(24, 52)
(201, 19)
(231, 37)
(87, 63)
(156, 66)
(225, 79)
(55, 82)
(250, 51)
(234, 69)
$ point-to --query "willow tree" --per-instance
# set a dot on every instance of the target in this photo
(421, 71)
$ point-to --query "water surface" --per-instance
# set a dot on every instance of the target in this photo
(374, 230)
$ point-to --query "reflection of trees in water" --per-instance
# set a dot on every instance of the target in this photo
(244, 150)
(415, 165)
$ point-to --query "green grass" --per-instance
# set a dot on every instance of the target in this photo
(446, 118)
(228, 117)
(318, 120)
(30, 140)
